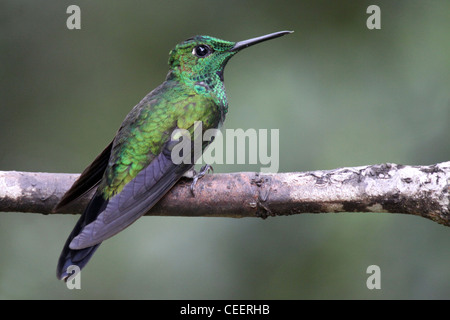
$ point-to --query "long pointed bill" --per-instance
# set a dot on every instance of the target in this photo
(247, 43)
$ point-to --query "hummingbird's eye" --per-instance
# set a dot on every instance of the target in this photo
(202, 51)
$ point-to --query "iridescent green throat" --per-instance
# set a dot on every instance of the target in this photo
(203, 74)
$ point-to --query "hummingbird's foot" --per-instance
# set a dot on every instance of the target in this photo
(203, 170)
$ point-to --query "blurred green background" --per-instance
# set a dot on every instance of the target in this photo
(341, 95)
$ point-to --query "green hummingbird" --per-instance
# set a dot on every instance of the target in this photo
(136, 169)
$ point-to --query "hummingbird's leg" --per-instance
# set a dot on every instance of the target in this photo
(190, 174)
(198, 175)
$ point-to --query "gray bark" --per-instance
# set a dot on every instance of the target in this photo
(391, 188)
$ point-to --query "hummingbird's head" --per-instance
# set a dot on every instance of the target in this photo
(202, 58)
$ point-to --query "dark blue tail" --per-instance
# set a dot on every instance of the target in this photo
(80, 257)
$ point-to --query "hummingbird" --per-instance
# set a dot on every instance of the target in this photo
(136, 169)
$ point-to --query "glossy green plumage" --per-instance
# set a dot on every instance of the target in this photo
(193, 91)
(150, 125)
(136, 169)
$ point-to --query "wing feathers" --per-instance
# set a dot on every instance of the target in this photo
(136, 198)
(90, 177)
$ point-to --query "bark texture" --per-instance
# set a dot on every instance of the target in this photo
(392, 188)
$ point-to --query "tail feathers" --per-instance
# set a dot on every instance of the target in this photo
(70, 257)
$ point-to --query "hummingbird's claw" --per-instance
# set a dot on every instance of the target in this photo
(198, 175)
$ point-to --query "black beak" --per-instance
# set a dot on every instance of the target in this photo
(247, 43)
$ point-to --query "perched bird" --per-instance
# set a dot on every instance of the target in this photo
(136, 169)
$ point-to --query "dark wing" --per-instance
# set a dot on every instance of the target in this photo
(104, 218)
(135, 199)
(88, 179)
(119, 200)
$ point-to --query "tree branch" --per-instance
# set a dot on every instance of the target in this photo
(392, 188)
